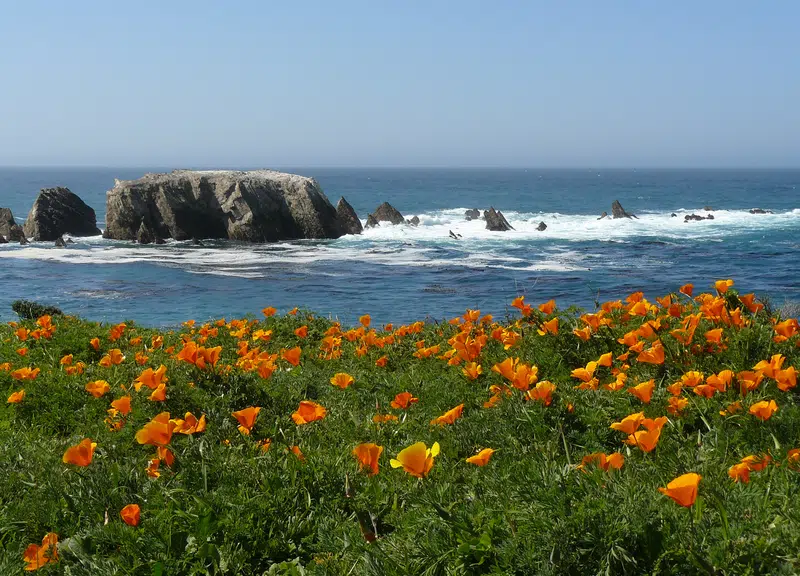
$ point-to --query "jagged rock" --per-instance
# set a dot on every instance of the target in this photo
(690, 217)
(388, 213)
(760, 211)
(673, 215)
(6, 222)
(541, 227)
(145, 235)
(603, 215)
(159, 240)
(454, 236)
(495, 221)
(255, 206)
(708, 208)
(60, 243)
(414, 221)
(473, 214)
(56, 212)
(617, 211)
(348, 219)
(17, 234)
(710, 217)
(371, 222)
(3, 239)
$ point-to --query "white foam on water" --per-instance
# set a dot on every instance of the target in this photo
(426, 245)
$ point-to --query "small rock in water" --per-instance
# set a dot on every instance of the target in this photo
(617, 211)
(760, 211)
(371, 222)
(387, 213)
(603, 215)
(60, 243)
(3, 239)
(708, 208)
(413, 221)
(473, 214)
(673, 215)
(541, 227)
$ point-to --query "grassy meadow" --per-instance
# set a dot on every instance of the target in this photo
(288, 445)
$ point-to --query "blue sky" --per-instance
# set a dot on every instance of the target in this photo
(404, 83)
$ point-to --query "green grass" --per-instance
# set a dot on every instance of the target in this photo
(228, 507)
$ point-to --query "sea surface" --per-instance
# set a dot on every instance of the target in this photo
(403, 273)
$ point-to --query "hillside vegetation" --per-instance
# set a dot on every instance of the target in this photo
(646, 437)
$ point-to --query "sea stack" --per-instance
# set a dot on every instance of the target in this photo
(58, 211)
(254, 206)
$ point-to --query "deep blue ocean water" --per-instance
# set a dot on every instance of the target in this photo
(403, 273)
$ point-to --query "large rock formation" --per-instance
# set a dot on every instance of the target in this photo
(6, 222)
(617, 211)
(256, 206)
(495, 220)
(386, 213)
(348, 218)
(56, 212)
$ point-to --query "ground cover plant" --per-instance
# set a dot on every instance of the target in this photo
(645, 437)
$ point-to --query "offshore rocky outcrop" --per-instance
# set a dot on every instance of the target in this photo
(58, 211)
(495, 221)
(617, 211)
(253, 206)
(6, 222)
(385, 213)
(348, 218)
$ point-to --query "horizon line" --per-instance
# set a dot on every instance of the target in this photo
(386, 167)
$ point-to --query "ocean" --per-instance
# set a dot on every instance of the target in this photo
(403, 273)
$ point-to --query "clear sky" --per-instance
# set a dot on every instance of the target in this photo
(402, 83)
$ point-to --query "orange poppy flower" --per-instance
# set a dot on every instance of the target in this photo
(292, 312)
(5, 367)
(365, 320)
(705, 390)
(367, 456)
(21, 334)
(97, 388)
(157, 432)
(17, 397)
(723, 285)
(297, 452)
(687, 289)
(449, 417)
(342, 380)
(159, 394)
(676, 405)
(151, 378)
(543, 392)
(381, 362)
(383, 418)
(740, 472)
(301, 332)
(25, 373)
(130, 514)
(472, 370)
(36, 556)
(417, 459)
(246, 418)
(764, 410)
(76, 369)
(292, 356)
(714, 336)
(482, 457)
(152, 468)
(615, 460)
(163, 454)
(268, 311)
(22, 351)
(629, 424)
(653, 355)
(123, 405)
(116, 356)
(646, 440)
(81, 454)
(732, 408)
(683, 489)
(307, 412)
(95, 343)
(190, 424)
(643, 391)
(786, 379)
(786, 329)
(583, 333)
(549, 327)
(403, 401)
(547, 307)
